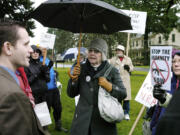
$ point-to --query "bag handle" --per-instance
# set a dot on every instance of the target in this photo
(108, 71)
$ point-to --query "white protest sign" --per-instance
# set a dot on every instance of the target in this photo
(161, 61)
(47, 40)
(145, 94)
(43, 114)
(138, 21)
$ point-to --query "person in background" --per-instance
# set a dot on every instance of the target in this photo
(52, 95)
(38, 76)
(17, 116)
(85, 81)
(164, 98)
(125, 67)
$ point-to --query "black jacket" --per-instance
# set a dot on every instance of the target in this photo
(170, 121)
(37, 76)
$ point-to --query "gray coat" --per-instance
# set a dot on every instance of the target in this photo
(87, 120)
(17, 116)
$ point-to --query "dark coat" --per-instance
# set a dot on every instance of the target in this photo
(170, 121)
(37, 77)
(17, 116)
(87, 118)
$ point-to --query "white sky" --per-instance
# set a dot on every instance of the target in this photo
(39, 27)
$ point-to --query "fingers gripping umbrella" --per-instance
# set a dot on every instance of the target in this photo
(82, 16)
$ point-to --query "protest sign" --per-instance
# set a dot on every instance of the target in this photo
(138, 21)
(160, 66)
(145, 94)
(47, 40)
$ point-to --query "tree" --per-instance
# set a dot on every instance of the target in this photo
(64, 40)
(161, 17)
(18, 10)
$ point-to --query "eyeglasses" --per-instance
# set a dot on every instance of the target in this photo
(35, 51)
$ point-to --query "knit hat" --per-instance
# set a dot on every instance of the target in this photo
(120, 47)
(101, 46)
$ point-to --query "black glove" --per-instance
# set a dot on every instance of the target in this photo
(159, 93)
(50, 64)
(44, 69)
(126, 67)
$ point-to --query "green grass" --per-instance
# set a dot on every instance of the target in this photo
(124, 127)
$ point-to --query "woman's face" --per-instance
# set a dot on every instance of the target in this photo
(94, 57)
(176, 65)
(35, 55)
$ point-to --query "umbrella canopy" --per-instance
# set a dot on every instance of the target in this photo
(86, 16)
(72, 53)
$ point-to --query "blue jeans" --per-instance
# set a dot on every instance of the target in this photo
(126, 106)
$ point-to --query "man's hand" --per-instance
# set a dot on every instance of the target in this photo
(159, 93)
(126, 67)
(105, 84)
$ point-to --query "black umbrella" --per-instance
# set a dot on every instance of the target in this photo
(86, 16)
(82, 16)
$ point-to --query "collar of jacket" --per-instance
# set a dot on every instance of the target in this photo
(89, 70)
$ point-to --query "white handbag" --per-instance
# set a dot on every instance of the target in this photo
(109, 107)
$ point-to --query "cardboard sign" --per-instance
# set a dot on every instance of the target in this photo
(138, 21)
(47, 40)
(145, 94)
(160, 66)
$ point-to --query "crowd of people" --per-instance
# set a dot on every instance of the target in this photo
(28, 78)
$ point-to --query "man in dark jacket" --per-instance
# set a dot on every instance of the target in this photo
(17, 116)
(85, 81)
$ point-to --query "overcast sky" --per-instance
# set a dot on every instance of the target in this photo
(39, 28)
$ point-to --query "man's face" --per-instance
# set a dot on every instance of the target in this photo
(21, 51)
(94, 57)
(119, 53)
(176, 65)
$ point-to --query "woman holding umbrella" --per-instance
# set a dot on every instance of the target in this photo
(86, 80)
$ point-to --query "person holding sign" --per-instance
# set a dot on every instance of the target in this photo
(164, 96)
(125, 67)
(38, 76)
(53, 98)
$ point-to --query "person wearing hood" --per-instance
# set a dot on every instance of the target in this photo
(124, 64)
(85, 81)
(38, 76)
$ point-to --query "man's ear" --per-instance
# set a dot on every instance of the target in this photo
(7, 48)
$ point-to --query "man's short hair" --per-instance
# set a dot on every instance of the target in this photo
(8, 31)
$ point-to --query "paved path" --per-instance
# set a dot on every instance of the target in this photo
(141, 69)
(69, 65)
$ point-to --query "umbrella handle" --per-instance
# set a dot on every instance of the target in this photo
(79, 47)
(72, 76)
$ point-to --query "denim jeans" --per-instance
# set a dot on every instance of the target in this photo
(126, 106)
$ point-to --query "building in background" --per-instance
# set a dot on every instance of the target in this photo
(137, 44)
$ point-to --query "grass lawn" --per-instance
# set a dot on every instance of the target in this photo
(124, 127)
